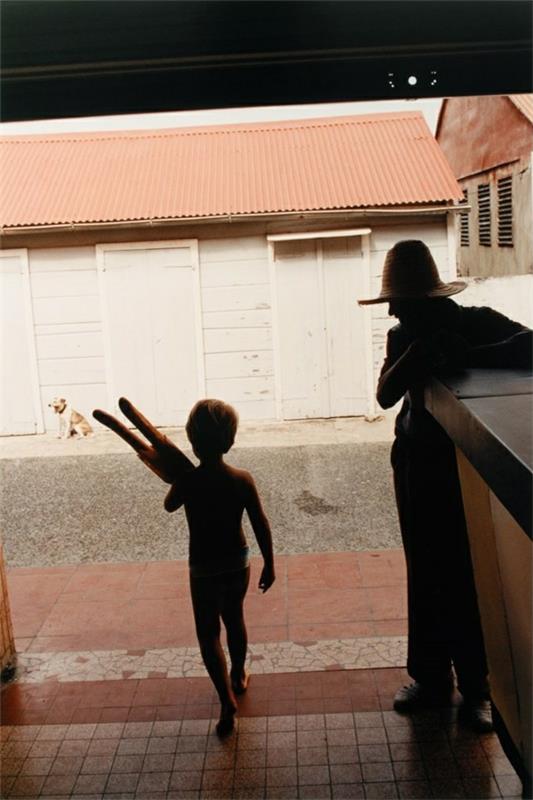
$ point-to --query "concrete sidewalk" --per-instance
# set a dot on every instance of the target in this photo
(339, 430)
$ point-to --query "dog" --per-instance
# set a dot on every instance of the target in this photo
(71, 422)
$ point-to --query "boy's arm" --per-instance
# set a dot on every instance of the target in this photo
(174, 498)
(263, 535)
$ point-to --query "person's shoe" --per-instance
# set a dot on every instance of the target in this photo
(417, 696)
(476, 715)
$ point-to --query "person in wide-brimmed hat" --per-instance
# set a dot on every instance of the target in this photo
(444, 629)
(410, 273)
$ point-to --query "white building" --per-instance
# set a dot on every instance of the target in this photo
(219, 261)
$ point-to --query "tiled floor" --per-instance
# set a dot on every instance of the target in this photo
(333, 755)
(125, 725)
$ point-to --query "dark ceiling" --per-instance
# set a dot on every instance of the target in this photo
(63, 58)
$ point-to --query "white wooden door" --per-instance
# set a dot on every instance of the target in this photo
(20, 411)
(301, 338)
(153, 327)
(320, 328)
(344, 281)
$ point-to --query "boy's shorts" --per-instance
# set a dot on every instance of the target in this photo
(232, 563)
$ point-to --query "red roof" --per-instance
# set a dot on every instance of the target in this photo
(303, 165)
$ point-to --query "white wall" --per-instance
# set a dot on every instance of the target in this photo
(236, 316)
(511, 295)
(68, 328)
(19, 385)
(237, 320)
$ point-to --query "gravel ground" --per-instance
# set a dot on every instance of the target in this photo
(108, 507)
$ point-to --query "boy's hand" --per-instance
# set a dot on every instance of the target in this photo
(267, 578)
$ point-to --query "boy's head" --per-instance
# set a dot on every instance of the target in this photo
(211, 428)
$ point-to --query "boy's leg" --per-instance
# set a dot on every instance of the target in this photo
(233, 616)
(206, 602)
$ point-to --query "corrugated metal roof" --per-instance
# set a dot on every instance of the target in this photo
(524, 103)
(303, 165)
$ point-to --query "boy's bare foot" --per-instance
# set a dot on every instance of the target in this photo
(240, 685)
(226, 723)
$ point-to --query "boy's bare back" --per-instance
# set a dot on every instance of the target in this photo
(215, 497)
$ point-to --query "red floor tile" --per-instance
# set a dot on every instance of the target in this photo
(107, 693)
(390, 627)
(147, 605)
(86, 715)
(270, 608)
(278, 707)
(328, 606)
(22, 644)
(105, 567)
(158, 573)
(385, 605)
(381, 567)
(113, 714)
(267, 633)
(142, 713)
(335, 705)
(165, 713)
(312, 705)
(91, 587)
(316, 631)
(178, 591)
(323, 571)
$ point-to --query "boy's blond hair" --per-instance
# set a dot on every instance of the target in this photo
(211, 427)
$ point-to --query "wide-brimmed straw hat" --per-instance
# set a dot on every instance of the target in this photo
(410, 273)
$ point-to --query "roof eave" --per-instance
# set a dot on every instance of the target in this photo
(415, 208)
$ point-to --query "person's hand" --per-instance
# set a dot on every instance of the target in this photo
(267, 578)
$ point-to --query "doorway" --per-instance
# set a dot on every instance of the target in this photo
(322, 337)
(152, 326)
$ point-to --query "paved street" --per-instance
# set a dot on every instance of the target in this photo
(66, 509)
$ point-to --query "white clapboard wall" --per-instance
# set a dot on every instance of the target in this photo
(68, 328)
(237, 324)
(20, 407)
(273, 328)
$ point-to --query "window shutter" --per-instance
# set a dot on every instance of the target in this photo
(464, 222)
(505, 212)
(483, 203)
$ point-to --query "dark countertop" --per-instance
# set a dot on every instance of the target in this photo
(488, 414)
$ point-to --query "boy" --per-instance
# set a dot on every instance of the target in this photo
(215, 496)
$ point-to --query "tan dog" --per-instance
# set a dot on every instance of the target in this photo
(71, 422)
